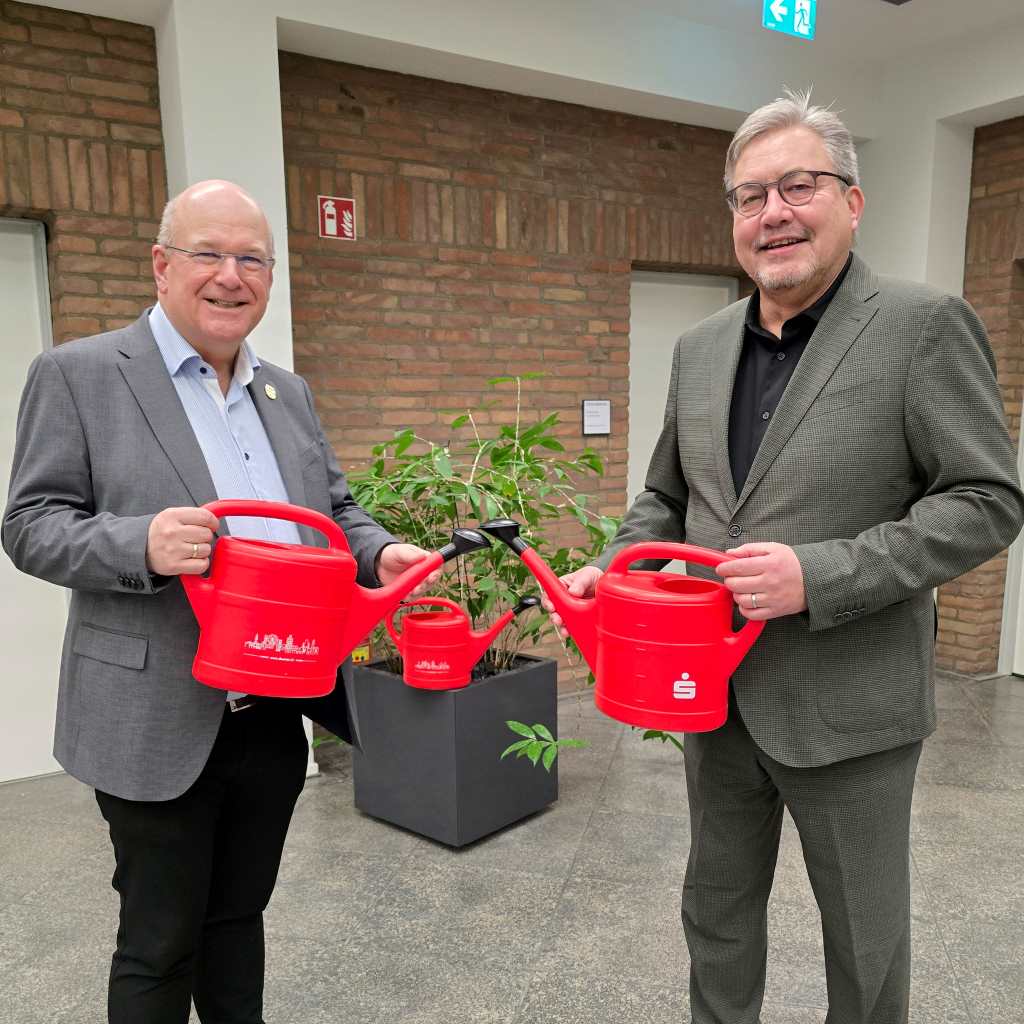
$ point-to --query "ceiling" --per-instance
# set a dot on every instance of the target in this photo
(857, 31)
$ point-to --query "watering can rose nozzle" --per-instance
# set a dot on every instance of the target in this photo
(526, 603)
(463, 542)
(507, 531)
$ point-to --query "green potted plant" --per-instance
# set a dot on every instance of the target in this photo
(432, 761)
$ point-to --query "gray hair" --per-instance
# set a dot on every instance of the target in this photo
(794, 110)
(163, 236)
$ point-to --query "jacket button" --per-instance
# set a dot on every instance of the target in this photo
(734, 530)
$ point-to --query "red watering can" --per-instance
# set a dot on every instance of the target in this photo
(439, 649)
(660, 645)
(278, 619)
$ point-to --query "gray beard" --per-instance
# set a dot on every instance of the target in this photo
(784, 280)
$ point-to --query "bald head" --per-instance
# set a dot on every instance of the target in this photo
(213, 269)
(214, 198)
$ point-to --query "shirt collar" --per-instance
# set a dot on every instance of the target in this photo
(814, 312)
(176, 351)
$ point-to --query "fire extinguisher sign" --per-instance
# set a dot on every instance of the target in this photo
(337, 217)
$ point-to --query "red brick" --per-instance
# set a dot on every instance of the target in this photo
(143, 52)
(122, 69)
(60, 40)
(114, 90)
(137, 134)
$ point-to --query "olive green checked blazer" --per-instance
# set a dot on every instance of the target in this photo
(889, 470)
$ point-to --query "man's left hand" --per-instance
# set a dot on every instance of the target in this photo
(765, 579)
(394, 559)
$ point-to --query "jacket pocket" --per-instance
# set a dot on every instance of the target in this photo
(127, 650)
(869, 392)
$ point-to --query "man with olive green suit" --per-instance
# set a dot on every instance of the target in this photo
(842, 435)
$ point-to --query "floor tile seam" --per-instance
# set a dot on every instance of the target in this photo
(979, 707)
(937, 924)
(541, 947)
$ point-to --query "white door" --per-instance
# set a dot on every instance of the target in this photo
(662, 306)
(32, 613)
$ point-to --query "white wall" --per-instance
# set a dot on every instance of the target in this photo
(661, 307)
(32, 613)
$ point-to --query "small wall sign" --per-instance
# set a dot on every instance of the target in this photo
(792, 17)
(337, 217)
(597, 416)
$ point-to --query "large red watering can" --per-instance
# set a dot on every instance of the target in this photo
(660, 645)
(439, 649)
(278, 619)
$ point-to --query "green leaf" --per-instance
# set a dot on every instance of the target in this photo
(543, 732)
(520, 729)
(664, 737)
(403, 441)
(534, 750)
(460, 421)
(552, 443)
(549, 756)
(515, 746)
(443, 463)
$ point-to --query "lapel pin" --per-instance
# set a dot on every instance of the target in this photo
(270, 390)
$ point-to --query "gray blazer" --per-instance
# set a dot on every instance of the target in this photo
(103, 444)
(888, 468)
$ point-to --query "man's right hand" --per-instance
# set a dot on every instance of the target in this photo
(580, 583)
(179, 541)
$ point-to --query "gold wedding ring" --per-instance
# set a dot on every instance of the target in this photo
(753, 600)
(195, 550)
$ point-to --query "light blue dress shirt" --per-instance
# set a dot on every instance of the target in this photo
(229, 430)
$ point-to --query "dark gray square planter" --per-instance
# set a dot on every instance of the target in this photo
(429, 760)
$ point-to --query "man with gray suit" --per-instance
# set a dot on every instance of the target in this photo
(121, 437)
(845, 434)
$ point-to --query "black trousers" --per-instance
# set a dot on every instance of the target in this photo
(195, 874)
(853, 818)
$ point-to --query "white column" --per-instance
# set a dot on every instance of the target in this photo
(220, 100)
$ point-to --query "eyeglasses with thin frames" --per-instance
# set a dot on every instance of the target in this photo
(245, 262)
(797, 188)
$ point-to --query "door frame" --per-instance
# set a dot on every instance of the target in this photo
(38, 229)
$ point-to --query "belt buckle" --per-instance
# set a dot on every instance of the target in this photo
(239, 704)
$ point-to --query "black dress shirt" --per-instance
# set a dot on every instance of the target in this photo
(765, 367)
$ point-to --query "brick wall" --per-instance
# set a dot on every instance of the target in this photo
(971, 608)
(496, 236)
(81, 150)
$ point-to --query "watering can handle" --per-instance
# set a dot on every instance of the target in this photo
(439, 602)
(282, 510)
(664, 549)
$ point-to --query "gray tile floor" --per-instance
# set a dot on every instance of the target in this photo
(572, 916)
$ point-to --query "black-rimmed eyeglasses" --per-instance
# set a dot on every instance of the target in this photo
(796, 188)
(208, 258)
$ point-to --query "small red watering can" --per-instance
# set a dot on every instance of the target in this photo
(660, 645)
(278, 619)
(439, 649)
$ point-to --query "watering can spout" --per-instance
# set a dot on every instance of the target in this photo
(371, 605)
(579, 615)
(484, 639)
